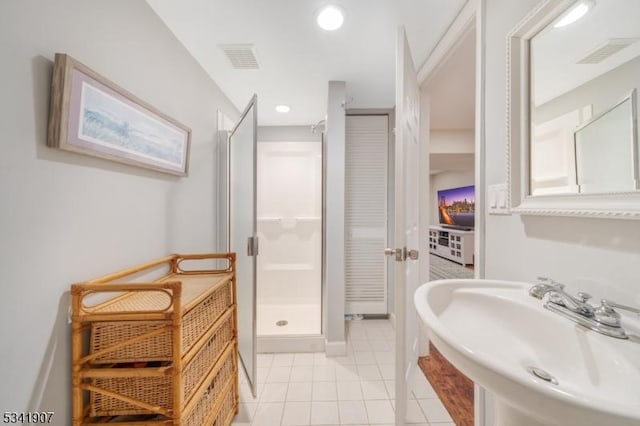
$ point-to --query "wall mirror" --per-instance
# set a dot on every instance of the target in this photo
(572, 136)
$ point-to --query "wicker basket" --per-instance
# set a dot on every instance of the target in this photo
(158, 391)
(106, 334)
(223, 385)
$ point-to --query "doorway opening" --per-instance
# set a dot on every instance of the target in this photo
(451, 91)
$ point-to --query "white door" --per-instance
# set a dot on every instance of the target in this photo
(365, 219)
(405, 248)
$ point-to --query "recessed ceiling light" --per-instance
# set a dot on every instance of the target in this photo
(330, 18)
(575, 13)
(283, 108)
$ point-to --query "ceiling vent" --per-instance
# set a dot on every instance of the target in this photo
(610, 47)
(242, 56)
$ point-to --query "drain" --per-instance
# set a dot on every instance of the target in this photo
(282, 323)
(541, 374)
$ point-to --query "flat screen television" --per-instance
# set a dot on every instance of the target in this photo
(456, 207)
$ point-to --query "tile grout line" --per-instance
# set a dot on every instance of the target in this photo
(366, 334)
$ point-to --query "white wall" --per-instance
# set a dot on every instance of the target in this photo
(452, 141)
(67, 217)
(447, 180)
(333, 306)
(289, 134)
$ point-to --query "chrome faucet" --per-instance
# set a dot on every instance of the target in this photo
(578, 304)
(603, 319)
(557, 295)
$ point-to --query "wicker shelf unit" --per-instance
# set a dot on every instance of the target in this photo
(160, 352)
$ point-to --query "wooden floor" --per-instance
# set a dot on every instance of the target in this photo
(454, 388)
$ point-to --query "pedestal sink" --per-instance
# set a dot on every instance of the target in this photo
(542, 368)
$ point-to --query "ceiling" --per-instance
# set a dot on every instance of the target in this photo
(441, 163)
(296, 58)
(452, 89)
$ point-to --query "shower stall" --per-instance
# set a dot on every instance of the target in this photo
(289, 229)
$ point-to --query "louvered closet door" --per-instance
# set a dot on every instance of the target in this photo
(366, 214)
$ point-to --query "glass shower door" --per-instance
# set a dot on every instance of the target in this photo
(242, 231)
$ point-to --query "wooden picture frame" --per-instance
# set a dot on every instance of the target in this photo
(91, 115)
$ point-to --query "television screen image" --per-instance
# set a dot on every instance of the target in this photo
(456, 206)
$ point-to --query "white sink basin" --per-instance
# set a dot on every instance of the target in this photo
(494, 332)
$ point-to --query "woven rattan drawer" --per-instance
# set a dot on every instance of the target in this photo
(218, 404)
(158, 347)
(228, 409)
(158, 390)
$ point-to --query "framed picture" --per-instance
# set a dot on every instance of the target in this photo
(92, 115)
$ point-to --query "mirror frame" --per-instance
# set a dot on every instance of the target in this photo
(619, 205)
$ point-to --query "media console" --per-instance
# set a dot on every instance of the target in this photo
(452, 244)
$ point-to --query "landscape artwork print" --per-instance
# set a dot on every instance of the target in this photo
(106, 121)
(109, 122)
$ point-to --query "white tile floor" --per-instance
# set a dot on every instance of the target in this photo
(358, 389)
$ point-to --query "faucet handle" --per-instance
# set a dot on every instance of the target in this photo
(605, 313)
(609, 305)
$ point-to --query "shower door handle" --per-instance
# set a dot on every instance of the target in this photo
(252, 246)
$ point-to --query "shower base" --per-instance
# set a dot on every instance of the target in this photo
(301, 319)
(301, 333)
